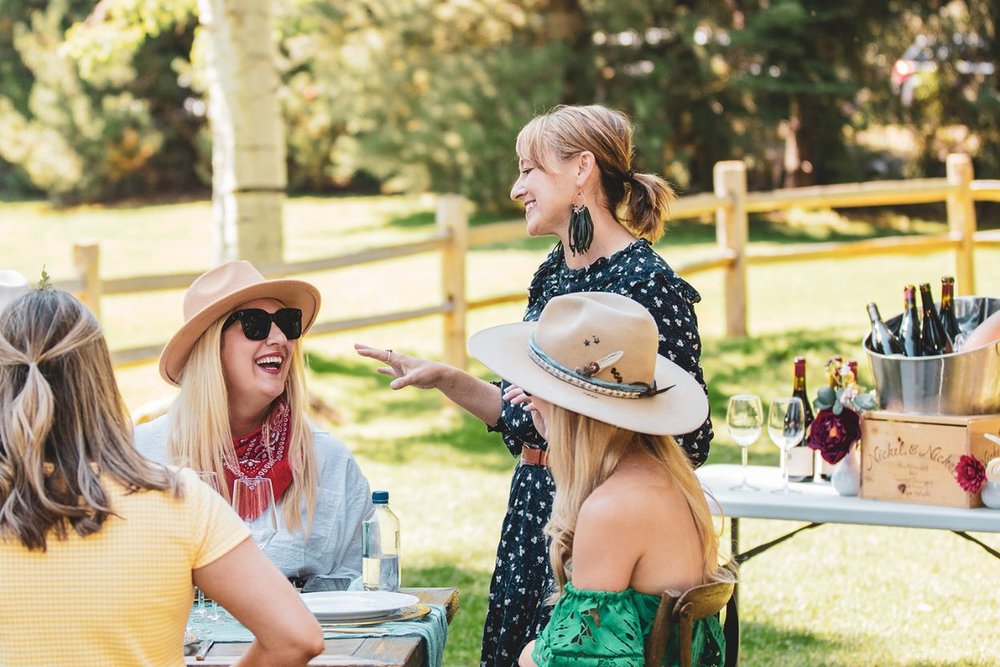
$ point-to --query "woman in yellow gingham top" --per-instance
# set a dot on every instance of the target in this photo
(99, 549)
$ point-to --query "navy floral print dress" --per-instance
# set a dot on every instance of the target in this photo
(522, 577)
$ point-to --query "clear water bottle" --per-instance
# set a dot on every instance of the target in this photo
(380, 547)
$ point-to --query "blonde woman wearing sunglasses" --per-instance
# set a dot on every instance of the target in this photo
(241, 413)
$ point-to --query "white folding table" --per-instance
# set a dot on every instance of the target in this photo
(819, 503)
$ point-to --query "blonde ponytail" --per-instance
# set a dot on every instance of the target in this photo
(648, 202)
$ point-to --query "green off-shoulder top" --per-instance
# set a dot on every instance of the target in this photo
(609, 629)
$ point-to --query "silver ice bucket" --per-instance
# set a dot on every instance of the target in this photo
(965, 383)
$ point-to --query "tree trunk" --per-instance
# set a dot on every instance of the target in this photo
(567, 22)
(792, 160)
(248, 137)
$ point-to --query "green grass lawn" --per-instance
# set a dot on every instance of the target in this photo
(838, 595)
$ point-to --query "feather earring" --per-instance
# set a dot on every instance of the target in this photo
(581, 227)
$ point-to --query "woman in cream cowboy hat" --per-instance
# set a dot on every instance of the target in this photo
(629, 519)
(241, 413)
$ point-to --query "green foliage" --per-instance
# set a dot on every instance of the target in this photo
(955, 109)
(411, 95)
(96, 120)
(419, 94)
(805, 62)
(45, 282)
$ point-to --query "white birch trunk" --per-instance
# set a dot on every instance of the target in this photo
(248, 136)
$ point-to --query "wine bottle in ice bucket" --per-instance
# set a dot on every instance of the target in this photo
(933, 339)
(947, 310)
(882, 340)
(909, 324)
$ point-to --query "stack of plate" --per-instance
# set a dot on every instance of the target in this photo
(346, 606)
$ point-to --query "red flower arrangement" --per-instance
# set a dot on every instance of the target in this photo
(834, 435)
(837, 425)
(970, 473)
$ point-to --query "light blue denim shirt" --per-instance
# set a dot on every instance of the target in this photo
(330, 558)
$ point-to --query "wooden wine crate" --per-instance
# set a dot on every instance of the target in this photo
(911, 458)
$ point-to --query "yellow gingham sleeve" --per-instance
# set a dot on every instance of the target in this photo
(216, 528)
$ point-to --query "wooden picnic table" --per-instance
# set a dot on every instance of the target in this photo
(387, 651)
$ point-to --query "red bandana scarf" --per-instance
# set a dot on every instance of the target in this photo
(259, 459)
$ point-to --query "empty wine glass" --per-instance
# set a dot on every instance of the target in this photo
(745, 417)
(253, 500)
(212, 479)
(786, 426)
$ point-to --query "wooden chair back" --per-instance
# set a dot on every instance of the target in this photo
(681, 611)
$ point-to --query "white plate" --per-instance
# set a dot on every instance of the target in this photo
(356, 605)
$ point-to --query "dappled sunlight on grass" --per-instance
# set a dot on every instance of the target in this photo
(786, 646)
(853, 595)
(466, 629)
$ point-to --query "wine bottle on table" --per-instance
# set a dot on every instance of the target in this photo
(933, 339)
(882, 340)
(800, 458)
(947, 310)
(909, 324)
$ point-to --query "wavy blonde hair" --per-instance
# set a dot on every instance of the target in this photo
(639, 201)
(63, 424)
(583, 454)
(199, 435)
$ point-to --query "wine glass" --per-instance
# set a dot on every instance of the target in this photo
(212, 479)
(253, 500)
(786, 426)
(745, 417)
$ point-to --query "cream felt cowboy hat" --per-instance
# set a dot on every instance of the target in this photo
(596, 354)
(221, 290)
(12, 285)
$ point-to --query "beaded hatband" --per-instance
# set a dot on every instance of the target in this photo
(615, 390)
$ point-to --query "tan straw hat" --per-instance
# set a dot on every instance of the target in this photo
(595, 353)
(221, 290)
(12, 285)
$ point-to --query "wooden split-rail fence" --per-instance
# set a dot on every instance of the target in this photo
(730, 203)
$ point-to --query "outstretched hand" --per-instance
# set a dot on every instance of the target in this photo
(517, 396)
(405, 370)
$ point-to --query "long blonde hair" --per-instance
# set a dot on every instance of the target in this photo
(63, 424)
(200, 437)
(583, 453)
(637, 200)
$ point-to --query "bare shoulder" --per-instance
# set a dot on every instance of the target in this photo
(632, 495)
(618, 500)
(612, 532)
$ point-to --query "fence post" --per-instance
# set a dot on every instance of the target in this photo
(962, 220)
(731, 232)
(87, 261)
(453, 220)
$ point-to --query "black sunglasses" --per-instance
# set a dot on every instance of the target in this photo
(256, 322)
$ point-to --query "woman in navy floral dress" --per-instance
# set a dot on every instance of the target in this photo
(577, 184)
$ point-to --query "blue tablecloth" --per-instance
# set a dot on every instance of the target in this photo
(433, 628)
